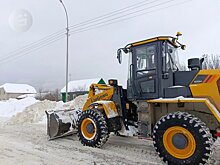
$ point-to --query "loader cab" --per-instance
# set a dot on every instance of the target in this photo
(151, 66)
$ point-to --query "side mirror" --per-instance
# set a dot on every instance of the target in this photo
(119, 55)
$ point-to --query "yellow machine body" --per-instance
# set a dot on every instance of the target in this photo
(99, 96)
(207, 85)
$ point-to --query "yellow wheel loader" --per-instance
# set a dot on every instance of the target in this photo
(179, 110)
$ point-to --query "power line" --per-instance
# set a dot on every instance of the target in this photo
(51, 36)
(28, 52)
(59, 34)
(131, 13)
(32, 45)
(98, 26)
(116, 12)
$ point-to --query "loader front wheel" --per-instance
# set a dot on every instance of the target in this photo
(92, 128)
(182, 139)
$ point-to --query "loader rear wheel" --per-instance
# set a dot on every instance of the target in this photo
(182, 139)
(92, 128)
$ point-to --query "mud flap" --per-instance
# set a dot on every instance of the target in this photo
(59, 123)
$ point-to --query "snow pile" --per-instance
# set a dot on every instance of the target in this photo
(35, 113)
(13, 106)
(77, 103)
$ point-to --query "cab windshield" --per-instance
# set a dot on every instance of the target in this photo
(170, 57)
(146, 57)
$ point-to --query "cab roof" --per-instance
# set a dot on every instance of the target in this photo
(171, 40)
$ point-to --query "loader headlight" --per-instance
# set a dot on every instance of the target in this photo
(113, 82)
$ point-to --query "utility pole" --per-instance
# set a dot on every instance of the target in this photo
(67, 47)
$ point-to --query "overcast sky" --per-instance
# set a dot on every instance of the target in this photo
(93, 52)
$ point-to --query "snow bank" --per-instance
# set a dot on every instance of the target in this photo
(13, 106)
(77, 103)
(35, 113)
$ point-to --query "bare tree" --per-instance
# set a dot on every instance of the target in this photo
(211, 61)
(40, 94)
(48, 95)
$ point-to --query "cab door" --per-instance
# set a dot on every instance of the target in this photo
(145, 77)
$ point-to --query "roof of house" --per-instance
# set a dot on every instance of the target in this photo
(81, 85)
(18, 88)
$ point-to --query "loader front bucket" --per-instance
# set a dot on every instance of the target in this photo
(59, 124)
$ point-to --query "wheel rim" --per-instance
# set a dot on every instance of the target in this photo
(179, 142)
(88, 128)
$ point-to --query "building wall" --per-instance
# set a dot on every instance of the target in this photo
(6, 96)
(2, 94)
(13, 95)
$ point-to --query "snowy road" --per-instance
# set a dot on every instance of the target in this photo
(23, 141)
(27, 144)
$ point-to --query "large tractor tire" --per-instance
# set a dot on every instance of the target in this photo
(92, 128)
(182, 139)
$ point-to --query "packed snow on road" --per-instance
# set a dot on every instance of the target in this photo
(23, 139)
